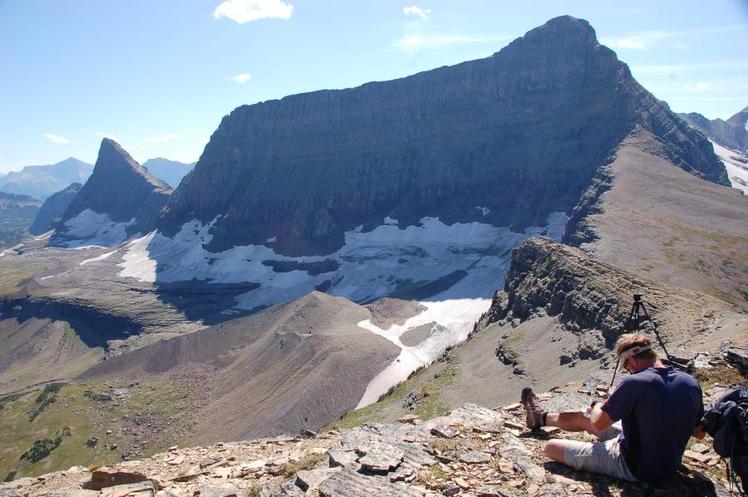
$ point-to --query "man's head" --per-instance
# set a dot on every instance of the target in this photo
(635, 352)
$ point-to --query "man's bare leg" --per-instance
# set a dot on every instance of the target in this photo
(570, 421)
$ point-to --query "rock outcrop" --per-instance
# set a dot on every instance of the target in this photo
(472, 451)
(120, 199)
(732, 133)
(504, 140)
(53, 208)
(547, 278)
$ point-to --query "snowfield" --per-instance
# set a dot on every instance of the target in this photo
(737, 171)
(92, 228)
(463, 264)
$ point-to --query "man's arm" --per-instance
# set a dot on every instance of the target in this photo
(599, 419)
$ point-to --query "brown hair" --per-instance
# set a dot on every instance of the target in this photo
(631, 340)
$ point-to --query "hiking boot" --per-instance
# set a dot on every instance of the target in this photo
(532, 407)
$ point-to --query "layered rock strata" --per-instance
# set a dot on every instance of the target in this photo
(504, 140)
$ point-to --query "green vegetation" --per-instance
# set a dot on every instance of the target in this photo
(97, 397)
(42, 448)
(162, 404)
(308, 462)
(421, 380)
(253, 490)
(44, 399)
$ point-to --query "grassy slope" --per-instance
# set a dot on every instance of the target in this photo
(148, 416)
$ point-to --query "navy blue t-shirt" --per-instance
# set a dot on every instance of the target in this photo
(659, 408)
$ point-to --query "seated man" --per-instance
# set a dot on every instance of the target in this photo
(659, 408)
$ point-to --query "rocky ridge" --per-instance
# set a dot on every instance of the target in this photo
(591, 296)
(473, 451)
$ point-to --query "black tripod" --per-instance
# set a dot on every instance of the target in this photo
(637, 317)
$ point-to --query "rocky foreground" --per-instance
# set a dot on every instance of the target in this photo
(472, 451)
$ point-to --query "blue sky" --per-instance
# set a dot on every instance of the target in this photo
(158, 75)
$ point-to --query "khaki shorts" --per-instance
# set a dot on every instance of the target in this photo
(602, 457)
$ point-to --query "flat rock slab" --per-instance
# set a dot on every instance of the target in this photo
(346, 483)
(309, 480)
(142, 489)
(475, 457)
(345, 458)
(492, 491)
(445, 431)
(218, 491)
(382, 458)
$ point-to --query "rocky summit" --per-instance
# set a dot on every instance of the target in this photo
(472, 451)
(503, 140)
(120, 198)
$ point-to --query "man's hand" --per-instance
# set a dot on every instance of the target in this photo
(698, 432)
(599, 419)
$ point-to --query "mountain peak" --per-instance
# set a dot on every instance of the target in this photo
(119, 191)
(561, 32)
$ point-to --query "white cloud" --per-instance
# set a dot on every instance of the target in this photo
(56, 138)
(102, 134)
(167, 137)
(416, 11)
(673, 69)
(698, 86)
(243, 11)
(413, 42)
(241, 78)
(648, 39)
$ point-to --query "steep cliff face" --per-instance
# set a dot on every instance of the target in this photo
(119, 199)
(505, 140)
(54, 207)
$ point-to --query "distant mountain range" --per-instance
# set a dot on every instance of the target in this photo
(732, 133)
(169, 171)
(40, 182)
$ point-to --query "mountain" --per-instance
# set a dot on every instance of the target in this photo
(17, 212)
(120, 199)
(42, 181)
(504, 140)
(52, 208)
(730, 141)
(732, 133)
(169, 171)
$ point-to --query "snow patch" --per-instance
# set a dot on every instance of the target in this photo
(99, 258)
(452, 322)
(467, 260)
(136, 262)
(390, 221)
(93, 228)
(736, 164)
(484, 210)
